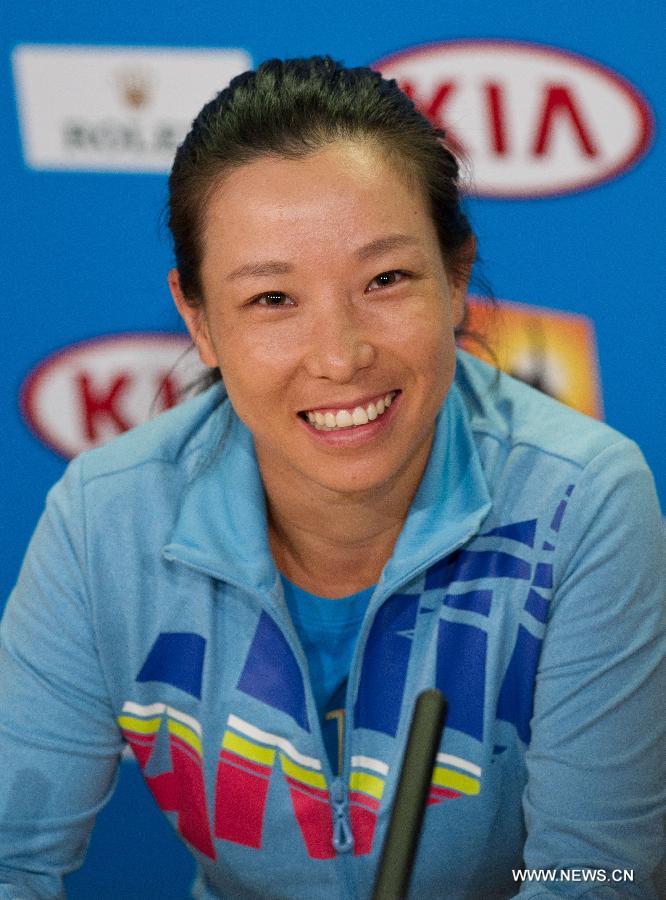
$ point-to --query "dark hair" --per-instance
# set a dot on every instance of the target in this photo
(292, 108)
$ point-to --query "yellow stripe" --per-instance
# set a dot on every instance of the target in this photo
(140, 726)
(369, 784)
(457, 781)
(248, 749)
(307, 776)
(186, 734)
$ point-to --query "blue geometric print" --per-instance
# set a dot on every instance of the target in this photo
(537, 606)
(516, 698)
(461, 675)
(523, 532)
(559, 515)
(384, 668)
(543, 576)
(468, 565)
(271, 672)
(473, 601)
(176, 658)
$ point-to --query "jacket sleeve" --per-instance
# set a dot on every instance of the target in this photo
(596, 782)
(59, 743)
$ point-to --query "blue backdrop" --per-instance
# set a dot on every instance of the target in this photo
(85, 251)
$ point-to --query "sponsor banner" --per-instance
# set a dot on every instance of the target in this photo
(87, 393)
(532, 120)
(551, 350)
(121, 109)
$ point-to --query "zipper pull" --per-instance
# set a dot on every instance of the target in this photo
(343, 838)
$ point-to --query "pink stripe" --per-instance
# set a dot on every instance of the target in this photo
(307, 788)
(246, 764)
(364, 800)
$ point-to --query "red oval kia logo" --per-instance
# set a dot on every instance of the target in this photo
(87, 393)
(534, 121)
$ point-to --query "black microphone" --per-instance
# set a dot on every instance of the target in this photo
(404, 829)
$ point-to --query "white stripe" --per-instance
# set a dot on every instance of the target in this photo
(153, 710)
(460, 763)
(185, 719)
(274, 740)
(367, 762)
(156, 709)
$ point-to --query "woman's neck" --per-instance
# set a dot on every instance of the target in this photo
(335, 558)
(333, 544)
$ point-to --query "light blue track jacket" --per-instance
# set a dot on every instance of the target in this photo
(527, 584)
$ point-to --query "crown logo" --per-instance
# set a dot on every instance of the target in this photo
(135, 87)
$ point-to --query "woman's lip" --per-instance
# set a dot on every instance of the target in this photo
(355, 435)
(350, 407)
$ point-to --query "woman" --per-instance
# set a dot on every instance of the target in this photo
(253, 588)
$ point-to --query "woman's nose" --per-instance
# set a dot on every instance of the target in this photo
(340, 344)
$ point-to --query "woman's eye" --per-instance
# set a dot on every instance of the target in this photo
(272, 298)
(386, 279)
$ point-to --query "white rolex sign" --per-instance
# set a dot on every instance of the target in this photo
(122, 109)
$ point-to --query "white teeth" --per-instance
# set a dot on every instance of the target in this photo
(359, 416)
(345, 418)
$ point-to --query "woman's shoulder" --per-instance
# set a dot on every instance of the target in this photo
(514, 415)
(178, 438)
(120, 501)
(145, 471)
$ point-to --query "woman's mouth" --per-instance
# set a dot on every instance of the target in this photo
(339, 418)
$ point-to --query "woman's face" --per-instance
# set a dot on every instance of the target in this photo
(329, 311)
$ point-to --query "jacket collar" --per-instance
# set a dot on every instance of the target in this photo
(221, 527)
(452, 500)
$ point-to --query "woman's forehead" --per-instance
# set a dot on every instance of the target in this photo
(343, 194)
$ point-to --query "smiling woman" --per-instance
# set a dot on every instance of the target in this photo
(251, 590)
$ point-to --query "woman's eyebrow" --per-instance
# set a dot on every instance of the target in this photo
(367, 251)
(390, 242)
(266, 267)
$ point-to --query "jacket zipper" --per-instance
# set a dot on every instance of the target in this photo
(343, 837)
(384, 592)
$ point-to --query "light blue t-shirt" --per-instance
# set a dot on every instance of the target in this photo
(327, 630)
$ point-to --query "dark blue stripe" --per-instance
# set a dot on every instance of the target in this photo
(461, 675)
(384, 667)
(543, 576)
(468, 565)
(569, 490)
(518, 531)
(474, 601)
(557, 518)
(537, 606)
(516, 698)
(547, 546)
(176, 658)
(271, 672)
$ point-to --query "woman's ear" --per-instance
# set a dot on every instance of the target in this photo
(195, 320)
(459, 279)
